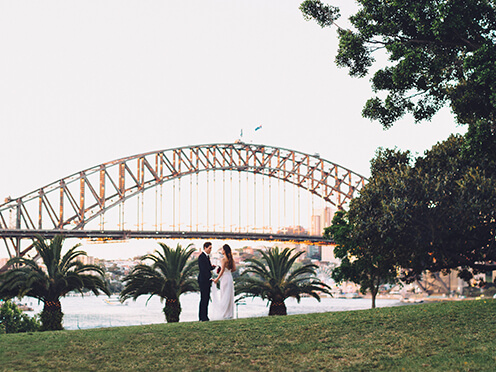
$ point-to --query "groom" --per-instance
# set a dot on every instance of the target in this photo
(205, 280)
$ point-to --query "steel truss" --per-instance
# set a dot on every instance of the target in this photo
(70, 203)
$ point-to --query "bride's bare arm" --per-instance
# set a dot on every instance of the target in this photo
(223, 262)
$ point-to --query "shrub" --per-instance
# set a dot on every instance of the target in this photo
(471, 291)
(13, 320)
(489, 290)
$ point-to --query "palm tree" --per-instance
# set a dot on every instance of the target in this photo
(274, 278)
(170, 275)
(52, 280)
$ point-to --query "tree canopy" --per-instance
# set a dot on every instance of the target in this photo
(435, 213)
(439, 52)
(364, 236)
(451, 216)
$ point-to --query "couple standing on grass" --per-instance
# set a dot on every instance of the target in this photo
(223, 302)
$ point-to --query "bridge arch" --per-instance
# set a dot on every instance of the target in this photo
(72, 202)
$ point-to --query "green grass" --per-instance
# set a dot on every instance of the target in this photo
(447, 336)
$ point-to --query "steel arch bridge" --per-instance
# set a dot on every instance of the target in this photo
(70, 204)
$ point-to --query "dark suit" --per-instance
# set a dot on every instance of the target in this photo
(204, 281)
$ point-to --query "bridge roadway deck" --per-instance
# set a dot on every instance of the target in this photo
(130, 234)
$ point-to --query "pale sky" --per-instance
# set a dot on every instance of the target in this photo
(86, 82)
(90, 81)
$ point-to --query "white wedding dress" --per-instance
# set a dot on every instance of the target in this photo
(223, 298)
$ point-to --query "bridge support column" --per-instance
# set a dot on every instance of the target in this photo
(18, 247)
(17, 243)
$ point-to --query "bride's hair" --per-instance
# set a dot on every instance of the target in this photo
(227, 252)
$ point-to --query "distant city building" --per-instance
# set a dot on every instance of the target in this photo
(86, 260)
(293, 230)
(320, 220)
(248, 250)
(314, 252)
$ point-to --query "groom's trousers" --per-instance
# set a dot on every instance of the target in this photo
(204, 300)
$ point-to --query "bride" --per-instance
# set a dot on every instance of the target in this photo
(225, 304)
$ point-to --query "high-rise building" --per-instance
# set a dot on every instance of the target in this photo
(320, 220)
(316, 225)
(327, 215)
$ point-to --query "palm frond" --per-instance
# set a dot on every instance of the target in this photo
(273, 277)
(170, 274)
(62, 275)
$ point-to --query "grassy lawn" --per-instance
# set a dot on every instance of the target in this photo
(448, 336)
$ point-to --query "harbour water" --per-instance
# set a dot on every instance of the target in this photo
(96, 312)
